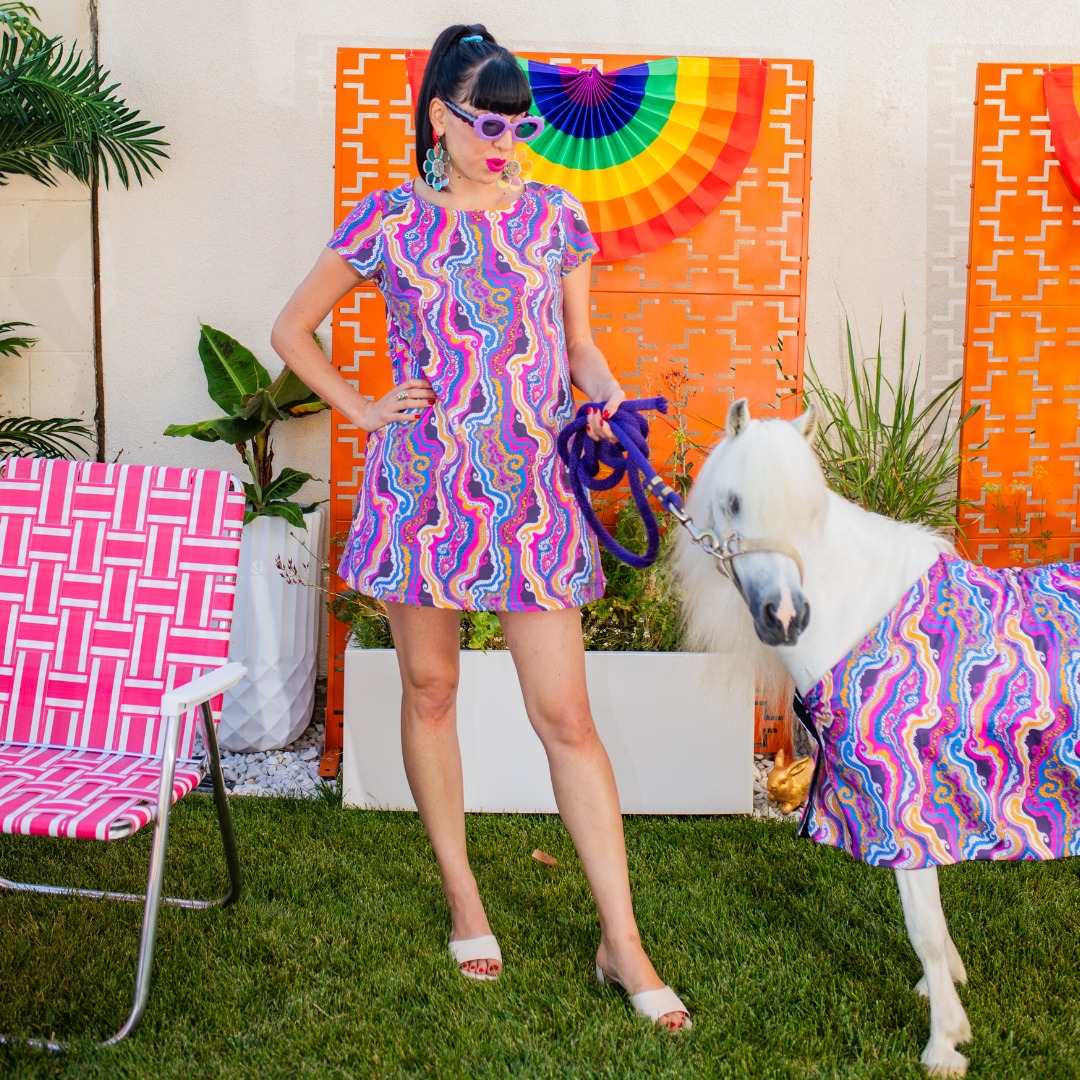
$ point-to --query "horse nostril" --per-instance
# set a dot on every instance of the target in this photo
(768, 614)
(804, 617)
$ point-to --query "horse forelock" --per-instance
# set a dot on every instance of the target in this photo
(776, 473)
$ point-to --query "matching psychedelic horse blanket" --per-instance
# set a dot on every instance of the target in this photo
(952, 730)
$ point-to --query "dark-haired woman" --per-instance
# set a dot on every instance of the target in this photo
(463, 504)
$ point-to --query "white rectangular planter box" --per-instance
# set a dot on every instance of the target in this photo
(678, 727)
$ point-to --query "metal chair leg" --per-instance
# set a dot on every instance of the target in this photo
(144, 967)
(221, 803)
(153, 885)
(153, 899)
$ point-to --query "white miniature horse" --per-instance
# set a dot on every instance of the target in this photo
(764, 481)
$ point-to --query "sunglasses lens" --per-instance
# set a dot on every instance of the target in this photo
(492, 129)
(527, 130)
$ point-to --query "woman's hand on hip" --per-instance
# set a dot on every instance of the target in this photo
(599, 428)
(404, 404)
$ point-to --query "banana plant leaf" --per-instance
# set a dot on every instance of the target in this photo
(290, 511)
(242, 387)
(286, 484)
(232, 372)
(262, 407)
(293, 395)
(230, 429)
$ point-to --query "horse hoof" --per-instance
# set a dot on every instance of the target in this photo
(946, 1062)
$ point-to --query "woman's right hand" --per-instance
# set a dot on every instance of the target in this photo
(404, 404)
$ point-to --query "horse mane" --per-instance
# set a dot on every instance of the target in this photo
(790, 497)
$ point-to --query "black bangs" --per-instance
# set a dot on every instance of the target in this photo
(500, 86)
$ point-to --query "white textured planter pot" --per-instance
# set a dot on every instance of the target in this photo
(274, 635)
(678, 727)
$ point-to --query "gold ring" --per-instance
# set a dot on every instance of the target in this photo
(403, 395)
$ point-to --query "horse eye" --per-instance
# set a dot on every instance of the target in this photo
(733, 505)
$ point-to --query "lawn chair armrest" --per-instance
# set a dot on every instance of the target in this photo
(176, 702)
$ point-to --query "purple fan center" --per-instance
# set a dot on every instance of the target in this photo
(588, 87)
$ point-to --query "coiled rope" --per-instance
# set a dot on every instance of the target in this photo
(629, 457)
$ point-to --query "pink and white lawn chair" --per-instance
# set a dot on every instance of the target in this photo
(116, 598)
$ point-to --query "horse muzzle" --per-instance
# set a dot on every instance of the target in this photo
(780, 615)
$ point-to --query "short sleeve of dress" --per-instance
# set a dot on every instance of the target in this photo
(359, 239)
(579, 243)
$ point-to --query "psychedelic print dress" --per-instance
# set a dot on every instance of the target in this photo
(952, 730)
(468, 507)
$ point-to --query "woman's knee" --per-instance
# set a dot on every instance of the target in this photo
(431, 696)
(570, 727)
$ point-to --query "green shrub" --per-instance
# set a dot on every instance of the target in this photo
(895, 464)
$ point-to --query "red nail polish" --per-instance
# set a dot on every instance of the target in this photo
(607, 415)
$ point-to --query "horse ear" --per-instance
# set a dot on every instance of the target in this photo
(806, 424)
(738, 417)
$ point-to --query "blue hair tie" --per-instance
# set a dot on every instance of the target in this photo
(472, 37)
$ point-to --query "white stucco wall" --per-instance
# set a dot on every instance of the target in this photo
(45, 274)
(245, 90)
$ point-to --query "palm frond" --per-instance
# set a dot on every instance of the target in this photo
(56, 111)
(18, 18)
(60, 437)
(14, 343)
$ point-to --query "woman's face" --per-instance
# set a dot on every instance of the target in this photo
(479, 160)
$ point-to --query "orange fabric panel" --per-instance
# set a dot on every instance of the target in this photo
(710, 306)
(1022, 341)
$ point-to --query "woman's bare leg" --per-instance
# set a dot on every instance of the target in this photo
(427, 643)
(550, 660)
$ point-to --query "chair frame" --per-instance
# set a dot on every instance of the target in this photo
(174, 704)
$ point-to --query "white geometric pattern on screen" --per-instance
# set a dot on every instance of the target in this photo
(116, 585)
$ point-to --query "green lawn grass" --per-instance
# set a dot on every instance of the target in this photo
(793, 958)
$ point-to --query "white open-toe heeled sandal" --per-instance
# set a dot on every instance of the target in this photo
(477, 948)
(651, 1004)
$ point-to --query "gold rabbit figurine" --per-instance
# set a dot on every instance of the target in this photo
(789, 784)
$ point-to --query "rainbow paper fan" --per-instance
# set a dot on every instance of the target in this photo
(650, 150)
(1062, 87)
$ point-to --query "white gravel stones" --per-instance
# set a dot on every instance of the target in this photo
(763, 808)
(291, 771)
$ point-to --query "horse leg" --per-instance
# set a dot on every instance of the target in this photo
(930, 939)
(956, 965)
(956, 969)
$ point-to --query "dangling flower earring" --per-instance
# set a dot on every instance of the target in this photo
(517, 171)
(437, 167)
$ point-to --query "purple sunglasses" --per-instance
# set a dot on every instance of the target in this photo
(491, 126)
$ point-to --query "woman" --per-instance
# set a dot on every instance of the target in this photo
(463, 504)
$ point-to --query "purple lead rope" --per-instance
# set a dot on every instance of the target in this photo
(628, 457)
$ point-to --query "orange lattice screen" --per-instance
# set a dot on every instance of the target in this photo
(1022, 340)
(711, 306)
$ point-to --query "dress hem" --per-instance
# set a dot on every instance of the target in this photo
(597, 593)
